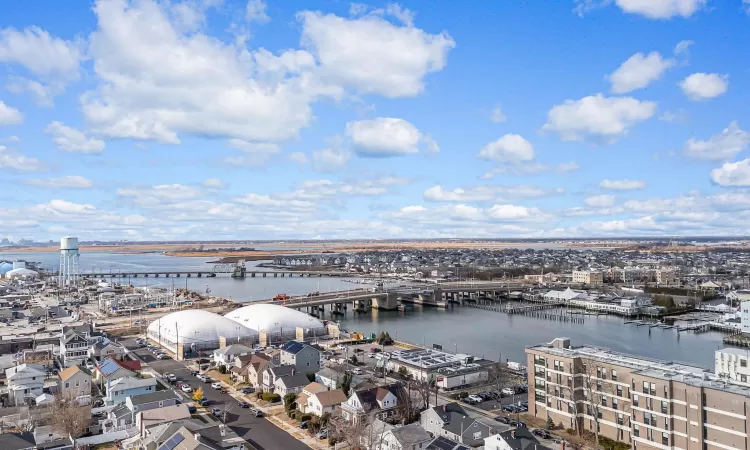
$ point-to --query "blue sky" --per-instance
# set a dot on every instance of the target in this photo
(211, 119)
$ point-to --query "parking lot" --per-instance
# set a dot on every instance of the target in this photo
(259, 432)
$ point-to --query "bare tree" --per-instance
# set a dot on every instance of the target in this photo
(70, 417)
(226, 410)
(366, 431)
(595, 390)
(498, 377)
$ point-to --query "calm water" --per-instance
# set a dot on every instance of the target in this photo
(475, 331)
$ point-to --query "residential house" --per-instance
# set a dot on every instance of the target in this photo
(443, 443)
(304, 357)
(271, 374)
(153, 417)
(308, 391)
(453, 422)
(117, 418)
(106, 349)
(24, 381)
(74, 383)
(408, 437)
(381, 401)
(291, 384)
(17, 441)
(122, 388)
(46, 437)
(331, 377)
(74, 349)
(112, 369)
(324, 402)
(514, 439)
(252, 372)
(145, 402)
(225, 356)
(193, 435)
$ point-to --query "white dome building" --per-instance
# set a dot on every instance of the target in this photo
(277, 321)
(197, 329)
(21, 272)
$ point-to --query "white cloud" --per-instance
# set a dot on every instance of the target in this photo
(661, 9)
(403, 15)
(298, 157)
(704, 86)
(268, 202)
(387, 136)
(329, 160)
(379, 57)
(511, 148)
(253, 147)
(497, 115)
(213, 183)
(462, 215)
(485, 193)
(160, 195)
(9, 116)
(597, 117)
(600, 201)
(18, 162)
(678, 116)
(682, 48)
(638, 72)
(721, 147)
(67, 182)
(623, 185)
(255, 11)
(530, 168)
(72, 140)
(732, 174)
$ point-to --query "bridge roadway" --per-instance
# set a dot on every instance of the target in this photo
(211, 273)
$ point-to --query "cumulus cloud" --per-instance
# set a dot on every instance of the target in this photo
(9, 116)
(72, 140)
(597, 117)
(497, 115)
(387, 136)
(18, 162)
(638, 71)
(704, 86)
(329, 160)
(600, 201)
(485, 193)
(159, 195)
(298, 157)
(530, 168)
(622, 185)
(661, 9)
(732, 174)
(213, 183)
(67, 182)
(511, 148)
(255, 11)
(379, 57)
(721, 147)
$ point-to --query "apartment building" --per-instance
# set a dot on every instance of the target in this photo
(648, 403)
(732, 364)
(587, 277)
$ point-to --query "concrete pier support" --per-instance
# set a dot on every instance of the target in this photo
(387, 303)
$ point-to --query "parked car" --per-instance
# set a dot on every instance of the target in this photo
(243, 404)
(203, 378)
(217, 412)
(216, 385)
(509, 391)
(304, 424)
(502, 419)
(171, 377)
(475, 398)
(192, 409)
(256, 412)
(357, 371)
(90, 366)
(247, 390)
(186, 388)
(544, 434)
(322, 434)
(161, 356)
(204, 401)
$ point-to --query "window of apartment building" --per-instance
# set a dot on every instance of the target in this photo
(635, 399)
(598, 386)
(632, 383)
(645, 387)
(562, 366)
(653, 389)
(619, 419)
(664, 407)
(743, 363)
(649, 403)
(614, 403)
(604, 401)
(665, 439)
(743, 378)
(619, 391)
(650, 434)
(559, 379)
(559, 405)
(666, 423)
(646, 418)
(571, 408)
(666, 391)
(556, 364)
(614, 375)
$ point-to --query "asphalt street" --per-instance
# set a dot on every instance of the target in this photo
(258, 431)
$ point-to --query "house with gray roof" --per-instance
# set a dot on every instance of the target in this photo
(158, 399)
(225, 356)
(408, 437)
(442, 443)
(513, 439)
(292, 384)
(271, 374)
(453, 422)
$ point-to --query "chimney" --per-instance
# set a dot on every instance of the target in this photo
(197, 437)
(293, 370)
(222, 430)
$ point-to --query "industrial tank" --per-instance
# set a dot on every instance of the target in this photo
(69, 243)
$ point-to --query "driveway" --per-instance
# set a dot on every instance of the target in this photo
(258, 431)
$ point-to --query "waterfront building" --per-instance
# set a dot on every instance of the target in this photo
(650, 403)
(565, 296)
(587, 277)
(447, 369)
(732, 364)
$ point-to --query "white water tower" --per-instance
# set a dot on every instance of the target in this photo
(68, 261)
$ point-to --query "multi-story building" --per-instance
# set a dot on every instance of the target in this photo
(732, 364)
(745, 317)
(665, 276)
(650, 403)
(304, 357)
(25, 382)
(587, 277)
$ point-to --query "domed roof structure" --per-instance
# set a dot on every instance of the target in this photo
(5, 267)
(196, 326)
(269, 317)
(21, 273)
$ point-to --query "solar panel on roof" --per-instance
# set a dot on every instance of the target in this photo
(173, 442)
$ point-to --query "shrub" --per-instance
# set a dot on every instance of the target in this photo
(550, 423)
(223, 369)
(271, 398)
(304, 417)
(570, 431)
(610, 444)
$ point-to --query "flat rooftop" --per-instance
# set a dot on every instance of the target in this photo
(430, 360)
(687, 373)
